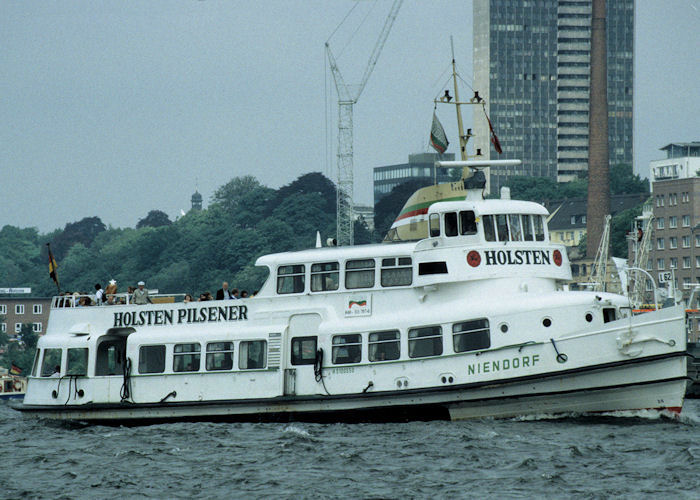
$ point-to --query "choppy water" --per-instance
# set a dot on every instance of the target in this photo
(633, 456)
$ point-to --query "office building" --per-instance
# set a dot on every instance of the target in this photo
(420, 167)
(532, 65)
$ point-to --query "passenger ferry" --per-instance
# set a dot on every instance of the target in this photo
(12, 386)
(471, 321)
(465, 313)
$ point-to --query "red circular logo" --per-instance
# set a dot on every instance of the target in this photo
(557, 257)
(473, 258)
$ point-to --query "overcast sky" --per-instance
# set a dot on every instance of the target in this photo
(117, 108)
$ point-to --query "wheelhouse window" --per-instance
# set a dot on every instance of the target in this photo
(35, 365)
(434, 224)
(290, 279)
(425, 341)
(304, 350)
(152, 359)
(347, 349)
(451, 224)
(467, 222)
(502, 227)
(471, 335)
(489, 228)
(397, 271)
(51, 365)
(527, 228)
(516, 233)
(384, 346)
(77, 361)
(186, 357)
(359, 273)
(219, 356)
(539, 227)
(324, 277)
(252, 354)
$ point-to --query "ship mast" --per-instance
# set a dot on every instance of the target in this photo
(460, 127)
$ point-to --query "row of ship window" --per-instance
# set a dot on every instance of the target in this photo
(252, 354)
(359, 273)
(500, 227)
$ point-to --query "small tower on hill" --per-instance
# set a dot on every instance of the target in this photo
(196, 201)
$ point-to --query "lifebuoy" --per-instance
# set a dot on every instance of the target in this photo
(18, 385)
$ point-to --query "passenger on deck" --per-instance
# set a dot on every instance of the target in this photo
(235, 293)
(140, 295)
(244, 294)
(223, 293)
(99, 294)
(188, 298)
(110, 291)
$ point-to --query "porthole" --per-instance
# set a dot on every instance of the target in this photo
(444, 380)
(546, 322)
(504, 327)
(589, 317)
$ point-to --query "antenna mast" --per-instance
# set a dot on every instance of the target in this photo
(347, 97)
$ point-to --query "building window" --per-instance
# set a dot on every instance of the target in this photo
(18, 327)
(347, 349)
(426, 341)
(219, 356)
(686, 241)
(660, 264)
(686, 221)
(674, 262)
(660, 223)
(186, 357)
(252, 354)
(673, 242)
(3, 309)
(686, 282)
(37, 309)
(3, 327)
(359, 273)
(397, 271)
(697, 261)
(37, 327)
(290, 279)
(384, 346)
(152, 359)
(19, 308)
(325, 277)
(686, 262)
(660, 244)
(673, 222)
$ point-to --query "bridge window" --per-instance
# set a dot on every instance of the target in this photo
(359, 273)
(397, 271)
(471, 335)
(304, 350)
(252, 354)
(51, 365)
(347, 349)
(434, 223)
(516, 233)
(502, 227)
(539, 227)
(467, 222)
(186, 357)
(527, 228)
(426, 341)
(451, 224)
(489, 228)
(384, 346)
(152, 359)
(290, 279)
(219, 356)
(325, 277)
(77, 361)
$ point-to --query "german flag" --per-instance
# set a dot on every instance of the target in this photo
(15, 370)
(52, 268)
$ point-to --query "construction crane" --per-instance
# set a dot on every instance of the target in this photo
(347, 97)
(599, 269)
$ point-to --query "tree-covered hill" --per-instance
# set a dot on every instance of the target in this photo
(192, 254)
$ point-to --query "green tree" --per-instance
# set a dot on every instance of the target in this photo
(623, 180)
(155, 218)
(620, 225)
(84, 232)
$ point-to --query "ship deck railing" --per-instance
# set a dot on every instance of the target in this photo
(117, 299)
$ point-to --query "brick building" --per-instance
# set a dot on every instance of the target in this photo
(16, 311)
